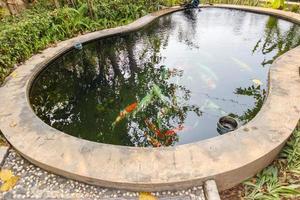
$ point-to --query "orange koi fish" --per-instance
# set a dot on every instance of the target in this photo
(154, 142)
(131, 107)
(169, 141)
(173, 131)
(153, 128)
(125, 112)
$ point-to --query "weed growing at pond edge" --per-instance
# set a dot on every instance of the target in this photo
(281, 180)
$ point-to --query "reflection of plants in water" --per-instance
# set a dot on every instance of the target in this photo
(187, 30)
(276, 41)
(157, 117)
(258, 94)
(107, 79)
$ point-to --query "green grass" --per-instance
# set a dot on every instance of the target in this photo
(281, 180)
(236, 2)
(35, 29)
(276, 4)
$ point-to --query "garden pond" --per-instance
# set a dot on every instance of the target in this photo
(166, 84)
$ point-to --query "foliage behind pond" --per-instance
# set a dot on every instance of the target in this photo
(32, 31)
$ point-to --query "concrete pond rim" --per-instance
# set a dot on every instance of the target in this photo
(228, 159)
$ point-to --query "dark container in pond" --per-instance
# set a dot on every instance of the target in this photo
(227, 124)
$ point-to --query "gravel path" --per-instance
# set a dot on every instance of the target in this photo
(36, 183)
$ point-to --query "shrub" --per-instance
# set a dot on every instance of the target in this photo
(28, 33)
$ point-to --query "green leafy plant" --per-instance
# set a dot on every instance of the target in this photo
(44, 23)
(237, 2)
(266, 186)
(281, 179)
(3, 12)
(291, 154)
(278, 4)
(295, 8)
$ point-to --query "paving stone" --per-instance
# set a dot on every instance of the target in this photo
(3, 153)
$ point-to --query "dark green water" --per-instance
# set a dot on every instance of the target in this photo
(167, 84)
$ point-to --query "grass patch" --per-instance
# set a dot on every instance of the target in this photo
(281, 180)
(276, 4)
(36, 28)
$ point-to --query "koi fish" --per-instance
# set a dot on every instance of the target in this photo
(211, 84)
(173, 131)
(125, 112)
(153, 128)
(241, 64)
(143, 103)
(131, 107)
(209, 105)
(169, 141)
(154, 142)
(207, 76)
(209, 72)
(148, 99)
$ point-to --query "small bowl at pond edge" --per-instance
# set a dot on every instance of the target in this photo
(227, 124)
(78, 46)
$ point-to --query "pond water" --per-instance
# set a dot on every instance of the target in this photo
(167, 84)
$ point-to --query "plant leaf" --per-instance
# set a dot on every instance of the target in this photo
(9, 184)
(278, 4)
(146, 196)
(6, 174)
(14, 74)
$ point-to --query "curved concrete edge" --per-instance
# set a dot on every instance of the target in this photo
(228, 159)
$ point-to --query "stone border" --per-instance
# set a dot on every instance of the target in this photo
(229, 159)
(3, 154)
